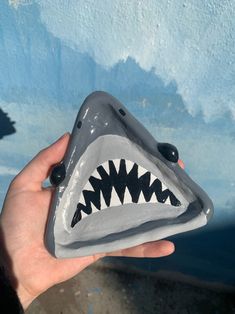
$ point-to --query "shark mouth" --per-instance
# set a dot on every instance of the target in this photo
(118, 182)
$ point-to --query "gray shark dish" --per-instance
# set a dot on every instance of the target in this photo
(117, 186)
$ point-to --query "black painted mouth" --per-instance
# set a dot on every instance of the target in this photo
(121, 182)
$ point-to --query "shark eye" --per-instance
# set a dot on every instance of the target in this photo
(57, 174)
(169, 152)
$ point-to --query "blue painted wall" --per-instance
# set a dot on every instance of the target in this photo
(171, 62)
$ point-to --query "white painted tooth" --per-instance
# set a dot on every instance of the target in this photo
(129, 165)
(105, 165)
(84, 215)
(102, 201)
(115, 201)
(152, 179)
(153, 199)
(116, 163)
(141, 171)
(88, 186)
(168, 201)
(141, 199)
(96, 174)
(127, 197)
(164, 187)
(94, 209)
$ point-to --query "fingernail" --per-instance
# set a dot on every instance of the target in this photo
(60, 138)
(181, 163)
(169, 248)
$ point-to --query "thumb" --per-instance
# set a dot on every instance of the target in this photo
(37, 170)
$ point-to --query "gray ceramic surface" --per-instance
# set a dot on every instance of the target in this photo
(119, 190)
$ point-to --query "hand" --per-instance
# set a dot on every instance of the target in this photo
(22, 225)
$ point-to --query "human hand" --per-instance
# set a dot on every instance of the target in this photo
(22, 225)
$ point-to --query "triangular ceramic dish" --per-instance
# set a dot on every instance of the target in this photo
(118, 187)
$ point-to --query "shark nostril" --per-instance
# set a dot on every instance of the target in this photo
(169, 152)
(58, 174)
(122, 112)
(79, 125)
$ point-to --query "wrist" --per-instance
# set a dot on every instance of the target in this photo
(9, 299)
(8, 277)
(23, 295)
(25, 298)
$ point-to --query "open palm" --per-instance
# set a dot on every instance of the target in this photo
(22, 227)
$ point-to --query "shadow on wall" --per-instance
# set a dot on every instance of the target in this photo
(214, 264)
(6, 125)
(99, 289)
(150, 294)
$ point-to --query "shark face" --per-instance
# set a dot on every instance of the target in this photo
(117, 186)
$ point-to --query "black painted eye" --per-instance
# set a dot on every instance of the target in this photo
(169, 152)
(58, 174)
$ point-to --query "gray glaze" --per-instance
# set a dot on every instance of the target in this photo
(104, 130)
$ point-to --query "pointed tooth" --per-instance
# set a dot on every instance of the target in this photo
(88, 186)
(96, 174)
(152, 179)
(164, 187)
(94, 209)
(115, 201)
(84, 215)
(141, 171)
(153, 199)
(82, 200)
(168, 201)
(116, 163)
(105, 165)
(141, 199)
(127, 197)
(102, 201)
(129, 165)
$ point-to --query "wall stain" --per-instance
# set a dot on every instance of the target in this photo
(6, 125)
